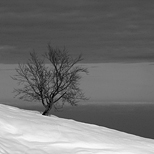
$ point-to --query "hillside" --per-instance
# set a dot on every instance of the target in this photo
(27, 132)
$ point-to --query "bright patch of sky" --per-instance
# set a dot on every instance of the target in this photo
(105, 83)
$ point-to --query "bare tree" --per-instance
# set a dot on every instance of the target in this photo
(53, 84)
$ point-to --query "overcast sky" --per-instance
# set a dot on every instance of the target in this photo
(102, 30)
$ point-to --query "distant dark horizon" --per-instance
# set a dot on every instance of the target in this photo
(103, 31)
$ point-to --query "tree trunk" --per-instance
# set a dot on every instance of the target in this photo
(47, 110)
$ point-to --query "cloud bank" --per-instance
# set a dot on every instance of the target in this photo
(103, 31)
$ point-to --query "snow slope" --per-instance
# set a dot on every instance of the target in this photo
(28, 132)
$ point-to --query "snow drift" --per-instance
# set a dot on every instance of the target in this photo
(28, 132)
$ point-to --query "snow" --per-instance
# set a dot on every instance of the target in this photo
(28, 132)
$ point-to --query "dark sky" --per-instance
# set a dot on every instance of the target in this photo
(102, 30)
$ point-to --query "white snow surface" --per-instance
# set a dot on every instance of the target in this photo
(28, 132)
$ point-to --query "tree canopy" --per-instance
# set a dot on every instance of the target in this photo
(53, 84)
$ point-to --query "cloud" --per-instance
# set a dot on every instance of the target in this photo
(12, 54)
(94, 28)
(6, 47)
